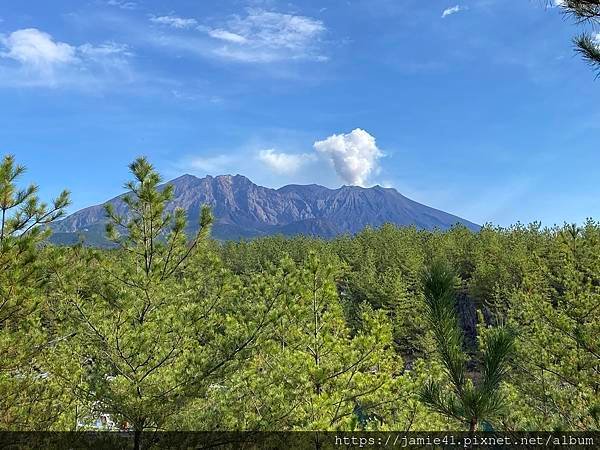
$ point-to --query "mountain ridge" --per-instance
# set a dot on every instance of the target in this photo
(243, 209)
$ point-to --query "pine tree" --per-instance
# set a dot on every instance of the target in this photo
(556, 311)
(309, 372)
(25, 402)
(383, 272)
(155, 322)
(463, 400)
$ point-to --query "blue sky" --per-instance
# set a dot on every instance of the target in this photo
(477, 107)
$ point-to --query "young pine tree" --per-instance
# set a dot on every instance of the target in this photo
(556, 310)
(461, 398)
(155, 321)
(25, 399)
(310, 372)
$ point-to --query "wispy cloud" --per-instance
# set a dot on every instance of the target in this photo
(228, 36)
(122, 4)
(217, 164)
(195, 96)
(31, 57)
(106, 50)
(285, 163)
(453, 10)
(265, 36)
(174, 21)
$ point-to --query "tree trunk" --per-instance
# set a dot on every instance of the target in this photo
(473, 425)
(472, 429)
(137, 439)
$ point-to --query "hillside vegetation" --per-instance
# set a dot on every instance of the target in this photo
(390, 329)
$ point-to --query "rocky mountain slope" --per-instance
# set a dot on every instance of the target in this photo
(243, 209)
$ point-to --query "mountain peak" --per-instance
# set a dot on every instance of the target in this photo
(188, 176)
(243, 209)
(184, 177)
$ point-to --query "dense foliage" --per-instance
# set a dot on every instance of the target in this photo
(391, 329)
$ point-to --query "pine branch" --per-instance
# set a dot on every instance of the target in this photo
(589, 48)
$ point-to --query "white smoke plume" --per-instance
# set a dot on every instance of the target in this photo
(354, 155)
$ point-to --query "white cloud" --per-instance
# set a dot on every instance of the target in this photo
(284, 163)
(211, 164)
(40, 60)
(106, 50)
(174, 21)
(264, 36)
(354, 155)
(453, 10)
(34, 48)
(227, 36)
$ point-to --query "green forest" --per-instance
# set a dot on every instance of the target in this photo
(391, 329)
